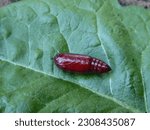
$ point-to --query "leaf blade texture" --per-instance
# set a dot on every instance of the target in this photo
(33, 32)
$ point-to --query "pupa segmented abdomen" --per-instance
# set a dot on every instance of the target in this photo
(98, 66)
(80, 63)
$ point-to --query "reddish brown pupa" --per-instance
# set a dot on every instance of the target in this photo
(80, 63)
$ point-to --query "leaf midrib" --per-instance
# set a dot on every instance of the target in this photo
(101, 95)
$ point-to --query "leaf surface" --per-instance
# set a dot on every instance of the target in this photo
(33, 32)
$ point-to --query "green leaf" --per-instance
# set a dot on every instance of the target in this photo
(33, 32)
(29, 91)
